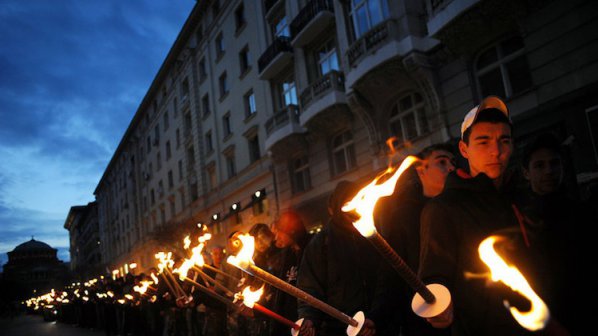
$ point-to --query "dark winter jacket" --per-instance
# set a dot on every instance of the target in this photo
(400, 226)
(338, 267)
(453, 225)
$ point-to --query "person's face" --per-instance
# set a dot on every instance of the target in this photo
(217, 256)
(281, 238)
(489, 150)
(263, 241)
(433, 172)
(545, 171)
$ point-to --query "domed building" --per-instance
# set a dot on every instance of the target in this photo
(33, 265)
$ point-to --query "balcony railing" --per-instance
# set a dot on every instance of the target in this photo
(290, 114)
(269, 4)
(371, 41)
(307, 14)
(435, 6)
(332, 81)
(281, 44)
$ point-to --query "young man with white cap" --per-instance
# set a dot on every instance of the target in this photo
(471, 208)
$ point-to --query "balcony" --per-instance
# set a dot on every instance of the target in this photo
(377, 46)
(275, 58)
(311, 21)
(281, 125)
(321, 95)
(271, 5)
(442, 12)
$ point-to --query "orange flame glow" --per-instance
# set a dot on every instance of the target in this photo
(245, 256)
(364, 202)
(154, 277)
(251, 297)
(538, 316)
(186, 242)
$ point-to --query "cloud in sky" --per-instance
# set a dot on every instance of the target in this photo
(72, 76)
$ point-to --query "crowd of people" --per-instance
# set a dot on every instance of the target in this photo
(435, 220)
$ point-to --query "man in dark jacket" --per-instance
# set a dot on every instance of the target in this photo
(400, 226)
(291, 238)
(470, 209)
(553, 219)
(339, 267)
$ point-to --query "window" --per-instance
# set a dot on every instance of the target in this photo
(202, 69)
(327, 58)
(180, 170)
(157, 135)
(365, 14)
(170, 179)
(343, 153)
(223, 84)
(152, 197)
(205, 104)
(172, 202)
(212, 182)
(408, 118)
(226, 127)
(166, 121)
(280, 27)
(502, 70)
(215, 8)
(185, 90)
(178, 138)
(199, 33)
(250, 108)
(300, 175)
(253, 144)
(193, 191)
(209, 145)
(239, 17)
(288, 92)
(219, 44)
(160, 189)
(149, 143)
(231, 170)
(158, 161)
(244, 60)
(168, 151)
(592, 118)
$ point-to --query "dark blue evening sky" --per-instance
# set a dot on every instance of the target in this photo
(72, 74)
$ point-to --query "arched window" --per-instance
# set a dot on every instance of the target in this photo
(343, 153)
(502, 69)
(408, 118)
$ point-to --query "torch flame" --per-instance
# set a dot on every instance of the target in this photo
(154, 277)
(205, 237)
(251, 297)
(165, 261)
(186, 242)
(538, 316)
(244, 257)
(364, 202)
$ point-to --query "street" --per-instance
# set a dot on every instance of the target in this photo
(27, 325)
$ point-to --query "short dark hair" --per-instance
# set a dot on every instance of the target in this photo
(426, 152)
(543, 141)
(490, 115)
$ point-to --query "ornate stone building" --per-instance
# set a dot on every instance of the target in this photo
(33, 265)
(287, 98)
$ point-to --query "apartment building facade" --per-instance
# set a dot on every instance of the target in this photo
(263, 106)
(84, 241)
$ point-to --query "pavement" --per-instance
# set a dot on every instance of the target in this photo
(33, 325)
